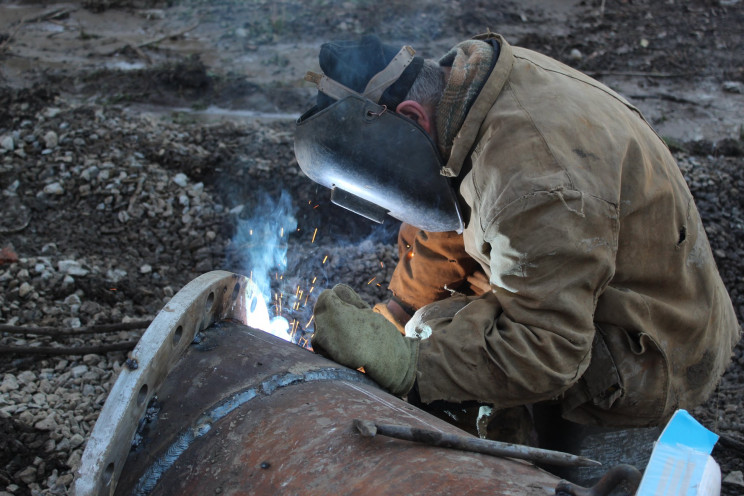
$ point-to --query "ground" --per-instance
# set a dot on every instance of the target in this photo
(142, 143)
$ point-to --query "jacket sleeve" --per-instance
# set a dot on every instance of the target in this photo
(427, 263)
(551, 254)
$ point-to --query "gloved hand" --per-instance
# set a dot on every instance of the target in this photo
(348, 331)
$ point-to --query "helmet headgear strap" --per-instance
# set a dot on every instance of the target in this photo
(376, 86)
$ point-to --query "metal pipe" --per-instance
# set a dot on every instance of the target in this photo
(239, 411)
(368, 428)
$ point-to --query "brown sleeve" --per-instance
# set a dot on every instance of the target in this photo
(427, 263)
(551, 254)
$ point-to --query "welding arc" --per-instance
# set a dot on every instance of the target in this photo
(367, 428)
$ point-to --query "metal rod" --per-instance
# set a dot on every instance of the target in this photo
(66, 350)
(74, 331)
(367, 428)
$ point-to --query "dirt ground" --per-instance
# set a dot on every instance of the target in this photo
(138, 138)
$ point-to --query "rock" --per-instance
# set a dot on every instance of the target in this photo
(76, 440)
(115, 275)
(7, 143)
(145, 269)
(733, 87)
(91, 359)
(51, 140)
(52, 112)
(79, 370)
(72, 267)
(576, 54)
(27, 475)
(181, 179)
(735, 478)
(90, 173)
(26, 377)
(25, 289)
(10, 383)
(47, 424)
(54, 188)
(73, 299)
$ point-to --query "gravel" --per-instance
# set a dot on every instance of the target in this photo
(108, 211)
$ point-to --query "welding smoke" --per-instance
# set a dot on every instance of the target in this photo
(260, 248)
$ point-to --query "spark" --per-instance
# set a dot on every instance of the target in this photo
(316, 232)
(313, 281)
(309, 321)
(325, 258)
(311, 289)
(382, 265)
(370, 281)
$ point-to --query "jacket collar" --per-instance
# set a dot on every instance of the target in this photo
(465, 139)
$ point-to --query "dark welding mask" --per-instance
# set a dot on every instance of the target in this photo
(375, 161)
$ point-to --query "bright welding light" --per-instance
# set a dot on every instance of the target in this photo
(257, 313)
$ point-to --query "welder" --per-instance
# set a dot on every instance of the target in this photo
(550, 249)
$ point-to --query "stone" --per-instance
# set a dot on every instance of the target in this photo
(10, 383)
(46, 424)
(76, 440)
(733, 87)
(54, 188)
(51, 140)
(26, 377)
(79, 370)
(72, 267)
(72, 299)
(7, 143)
(735, 478)
(25, 289)
(181, 179)
(27, 475)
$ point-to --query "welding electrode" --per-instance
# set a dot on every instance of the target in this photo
(367, 428)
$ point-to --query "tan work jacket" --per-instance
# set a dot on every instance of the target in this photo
(605, 294)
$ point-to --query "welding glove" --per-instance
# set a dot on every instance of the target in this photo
(349, 332)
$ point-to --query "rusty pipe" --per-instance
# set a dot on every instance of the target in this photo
(368, 428)
(241, 412)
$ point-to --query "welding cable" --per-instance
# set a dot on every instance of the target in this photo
(67, 350)
(75, 331)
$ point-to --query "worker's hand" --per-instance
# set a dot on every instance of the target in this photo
(394, 313)
(348, 331)
(419, 327)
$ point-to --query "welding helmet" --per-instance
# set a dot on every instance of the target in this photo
(374, 160)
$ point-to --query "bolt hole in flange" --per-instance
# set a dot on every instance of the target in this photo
(107, 474)
(235, 292)
(177, 335)
(210, 303)
(142, 395)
